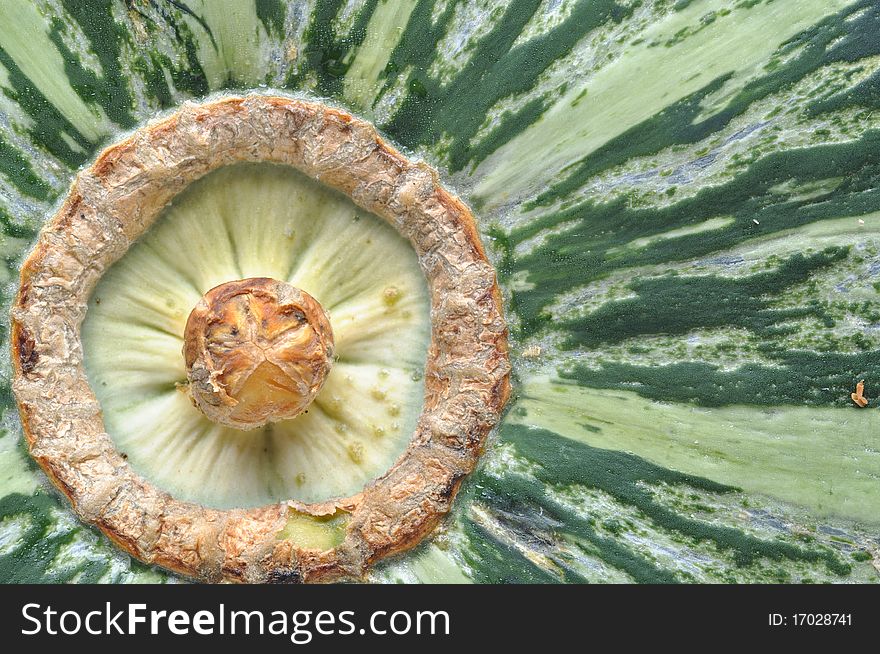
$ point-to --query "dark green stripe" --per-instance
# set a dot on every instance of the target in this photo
(516, 496)
(187, 75)
(853, 39)
(36, 550)
(185, 69)
(18, 170)
(186, 11)
(109, 90)
(326, 53)
(562, 462)
(272, 13)
(495, 70)
(48, 123)
(493, 562)
(799, 378)
(594, 246)
(676, 304)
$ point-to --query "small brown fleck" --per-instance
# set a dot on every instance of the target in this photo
(24, 293)
(27, 353)
(858, 397)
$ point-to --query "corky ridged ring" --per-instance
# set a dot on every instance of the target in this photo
(114, 201)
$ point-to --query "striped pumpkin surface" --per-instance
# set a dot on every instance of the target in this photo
(681, 197)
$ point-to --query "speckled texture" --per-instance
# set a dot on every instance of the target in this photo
(116, 200)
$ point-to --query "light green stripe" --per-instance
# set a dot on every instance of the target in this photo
(14, 474)
(821, 458)
(640, 84)
(242, 47)
(362, 81)
(24, 36)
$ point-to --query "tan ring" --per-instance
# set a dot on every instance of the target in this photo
(114, 201)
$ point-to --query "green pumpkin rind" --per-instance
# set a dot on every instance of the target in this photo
(691, 292)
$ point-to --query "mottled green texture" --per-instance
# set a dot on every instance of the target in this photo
(185, 10)
(186, 71)
(800, 378)
(16, 168)
(666, 305)
(592, 247)
(497, 69)
(38, 555)
(327, 55)
(838, 38)
(560, 462)
(271, 13)
(823, 459)
(517, 499)
(494, 562)
(187, 76)
(48, 123)
(15, 229)
(106, 37)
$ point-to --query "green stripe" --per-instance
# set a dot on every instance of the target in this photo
(563, 462)
(45, 550)
(106, 38)
(493, 562)
(595, 244)
(48, 124)
(679, 304)
(185, 70)
(15, 166)
(272, 13)
(496, 70)
(798, 378)
(517, 495)
(822, 462)
(853, 32)
(638, 79)
(327, 55)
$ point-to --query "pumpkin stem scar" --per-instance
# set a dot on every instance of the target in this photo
(257, 350)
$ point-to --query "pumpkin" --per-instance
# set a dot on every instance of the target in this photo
(680, 201)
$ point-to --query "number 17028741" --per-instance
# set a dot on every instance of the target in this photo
(811, 620)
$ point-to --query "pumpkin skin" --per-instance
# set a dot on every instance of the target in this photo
(682, 200)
